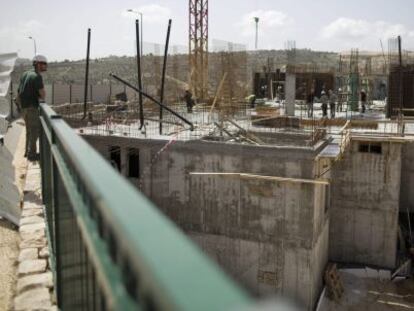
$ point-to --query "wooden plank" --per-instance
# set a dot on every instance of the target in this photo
(345, 126)
(395, 139)
(372, 124)
(263, 177)
(217, 95)
(265, 119)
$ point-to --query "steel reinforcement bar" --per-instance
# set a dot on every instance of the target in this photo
(111, 248)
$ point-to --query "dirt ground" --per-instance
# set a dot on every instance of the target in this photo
(9, 249)
(369, 294)
(9, 237)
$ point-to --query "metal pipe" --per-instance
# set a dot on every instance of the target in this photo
(401, 74)
(409, 227)
(164, 68)
(142, 34)
(140, 101)
(152, 99)
(85, 98)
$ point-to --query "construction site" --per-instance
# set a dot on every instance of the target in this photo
(234, 147)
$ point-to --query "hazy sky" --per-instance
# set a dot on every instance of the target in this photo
(60, 27)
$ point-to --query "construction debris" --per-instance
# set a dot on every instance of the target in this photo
(333, 282)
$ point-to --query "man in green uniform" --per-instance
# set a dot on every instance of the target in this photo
(30, 91)
(251, 99)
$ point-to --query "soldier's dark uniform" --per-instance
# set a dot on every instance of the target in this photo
(30, 84)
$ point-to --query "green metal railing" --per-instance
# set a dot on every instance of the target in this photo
(111, 249)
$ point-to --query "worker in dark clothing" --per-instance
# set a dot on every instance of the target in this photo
(30, 92)
(188, 97)
(363, 101)
(332, 102)
(310, 99)
(324, 101)
(340, 100)
(251, 100)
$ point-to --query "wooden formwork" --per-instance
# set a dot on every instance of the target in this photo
(339, 122)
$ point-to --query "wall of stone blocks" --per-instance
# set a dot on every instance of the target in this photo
(35, 288)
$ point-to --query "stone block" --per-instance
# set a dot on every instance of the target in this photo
(33, 235)
(35, 281)
(29, 267)
(30, 205)
(33, 241)
(28, 254)
(32, 212)
(32, 228)
(44, 252)
(32, 183)
(33, 197)
(31, 220)
(35, 299)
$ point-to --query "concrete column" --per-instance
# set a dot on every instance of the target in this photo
(290, 91)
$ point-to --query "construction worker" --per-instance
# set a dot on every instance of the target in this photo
(188, 97)
(363, 101)
(310, 99)
(340, 100)
(332, 102)
(30, 92)
(251, 100)
(324, 101)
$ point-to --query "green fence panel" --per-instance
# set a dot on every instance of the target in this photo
(112, 249)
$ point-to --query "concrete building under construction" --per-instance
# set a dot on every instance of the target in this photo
(252, 169)
(269, 192)
(273, 213)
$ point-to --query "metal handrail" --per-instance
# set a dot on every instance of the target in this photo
(131, 257)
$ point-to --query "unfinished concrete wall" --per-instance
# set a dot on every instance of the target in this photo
(271, 235)
(364, 204)
(407, 178)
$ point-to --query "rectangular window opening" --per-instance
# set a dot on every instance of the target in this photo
(115, 157)
(363, 148)
(133, 163)
(370, 148)
(375, 148)
(327, 198)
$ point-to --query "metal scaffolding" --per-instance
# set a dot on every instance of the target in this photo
(198, 47)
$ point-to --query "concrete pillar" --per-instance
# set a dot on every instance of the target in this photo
(290, 91)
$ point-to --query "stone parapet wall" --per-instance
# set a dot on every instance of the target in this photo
(34, 286)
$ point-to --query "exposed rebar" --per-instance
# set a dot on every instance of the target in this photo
(139, 54)
(152, 99)
(85, 98)
(164, 68)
